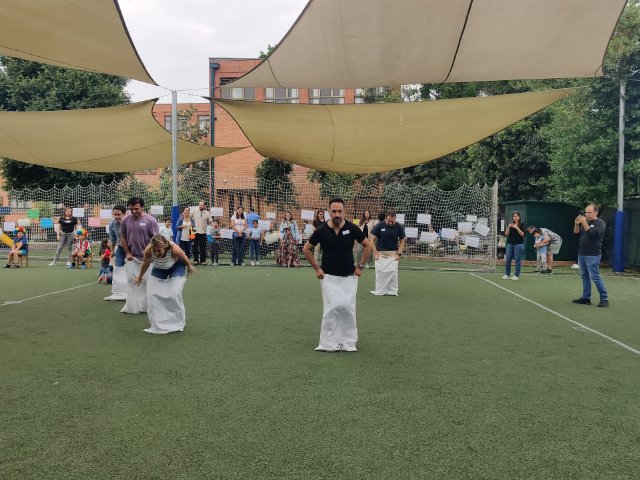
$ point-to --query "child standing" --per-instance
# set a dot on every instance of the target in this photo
(20, 248)
(256, 236)
(105, 260)
(541, 255)
(165, 230)
(213, 231)
(82, 250)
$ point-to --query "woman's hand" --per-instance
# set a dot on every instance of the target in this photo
(137, 280)
(191, 269)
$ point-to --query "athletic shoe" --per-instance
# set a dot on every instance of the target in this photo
(544, 272)
(351, 348)
(215, 263)
(83, 266)
(506, 277)
(71, 265)
(52, 263)
(366, 266)
(320, 348)
(15, 265)
(253, 264)
(582, 301)
(7, 266)
(515, 278)
(549, 272)
(603, 303)
(257, 263)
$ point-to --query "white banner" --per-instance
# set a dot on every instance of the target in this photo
(411, 232)
(78, 212)
(400, 218)
(471, 241)
(271, 215)
(465, 227)
(217, 211)
(105, 213)
(307, 214)
(448, 233)
(226, 233)
(156, 210)
(424, 219)
(9, 226)
(428, 237)
(482, 229)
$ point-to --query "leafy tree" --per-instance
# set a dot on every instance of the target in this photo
(30, 86)
(273, 179)
(270, 48)
(188, 130)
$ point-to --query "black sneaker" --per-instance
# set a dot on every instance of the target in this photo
(15, 265)
(543, 272)
(603, 303)
(583, 301)
(7, 266)
(549, 272)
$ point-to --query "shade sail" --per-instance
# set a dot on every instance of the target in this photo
(368, 138)
(371, 43)
(86, 35)
(113, 139)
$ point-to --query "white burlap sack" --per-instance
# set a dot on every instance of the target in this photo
(119, 286)
(165, 307)
(338, 330)
(386, 276)
(136, 294)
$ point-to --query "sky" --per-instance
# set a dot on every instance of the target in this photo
(176, 38)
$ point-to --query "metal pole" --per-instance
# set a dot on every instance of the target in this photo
(175, 209)
(618, 239)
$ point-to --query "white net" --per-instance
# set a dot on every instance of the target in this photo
(445, 229)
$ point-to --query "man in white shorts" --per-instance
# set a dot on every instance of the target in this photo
(553, 240)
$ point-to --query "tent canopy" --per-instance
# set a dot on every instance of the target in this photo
(378, 137)
(85, 35)
(124, 138)
(357, 44)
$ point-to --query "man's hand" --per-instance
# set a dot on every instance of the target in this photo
(358, 271)
(377, 255)
(130, 257)
(320, 273)
(396, 257)
(579, 219)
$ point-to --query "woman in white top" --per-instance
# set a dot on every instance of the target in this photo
(165, 306)
(238, 223)
(184, 225)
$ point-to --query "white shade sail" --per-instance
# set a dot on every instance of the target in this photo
(124, 138)
(379, 137)
(371, 43)
(85, 35)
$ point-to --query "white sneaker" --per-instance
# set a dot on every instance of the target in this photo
(506, 277)
(257, 263)
(515, 278)
(52, 263)
(68, 264)
(253, 264)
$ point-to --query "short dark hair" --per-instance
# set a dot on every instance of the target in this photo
(381, 216)
(537, 230)
(120, 208)
(596, 209)
(531, 227)
(336, 200)
(391, 213)
(135, 201)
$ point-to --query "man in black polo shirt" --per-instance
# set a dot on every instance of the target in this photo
(591, 230)
(388, 240)
(338, 278)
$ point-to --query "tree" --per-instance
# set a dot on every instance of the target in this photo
(274, 185)
(270, 48)
(30, 86)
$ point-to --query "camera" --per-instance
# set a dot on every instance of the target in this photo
(582, 213)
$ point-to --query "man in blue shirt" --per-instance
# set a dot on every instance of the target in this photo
(388, 239)
(119, 284)
(20, 248)
(253, 216)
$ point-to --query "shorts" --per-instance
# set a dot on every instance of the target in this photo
(22, 253)
(178, 269)
(554, 247)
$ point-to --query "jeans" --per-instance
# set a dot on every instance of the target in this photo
(178, 269)
(65, 239)
(590, 270)
(186, 247)
(215, 252)
(513, 251)
(120, 256)
(254, 254)
(237, 253)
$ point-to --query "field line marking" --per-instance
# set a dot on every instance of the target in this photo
(15, 302)
(557, 314)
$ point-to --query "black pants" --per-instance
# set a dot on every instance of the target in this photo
(215, 252)
(200, 248)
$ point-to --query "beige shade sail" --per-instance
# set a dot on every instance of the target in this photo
(86, 35)
(370, 138)
(371, 43)
(125, 138)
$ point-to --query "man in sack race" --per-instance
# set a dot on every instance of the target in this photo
(119, 285)
(388, 240)
(338, 278)
(136, 231)
(165, 306)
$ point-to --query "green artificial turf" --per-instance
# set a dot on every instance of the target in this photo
(455, 378)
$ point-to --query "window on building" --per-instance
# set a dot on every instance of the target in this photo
(235, 93)
(203, 122)
(326, 96)
(183, 123)
(281, 95)
(167, 123)
(359, 98)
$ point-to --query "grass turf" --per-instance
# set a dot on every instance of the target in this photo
(454, 379)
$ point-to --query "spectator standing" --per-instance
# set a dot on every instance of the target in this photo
(238, 223)
(317, 222)
(541, 250)
(256, 236)
(251, 217)
(590, 230)
(165, 229)
(554, 243)
(288, 255)
(515, 233)
(66, 234)
(202, 218)
(214, 232)
(184, 231)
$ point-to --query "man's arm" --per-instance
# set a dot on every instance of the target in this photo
(366, 250)
(308, 254)
(401, 246)
(372, 247)
(145, 265)
(123, 244)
